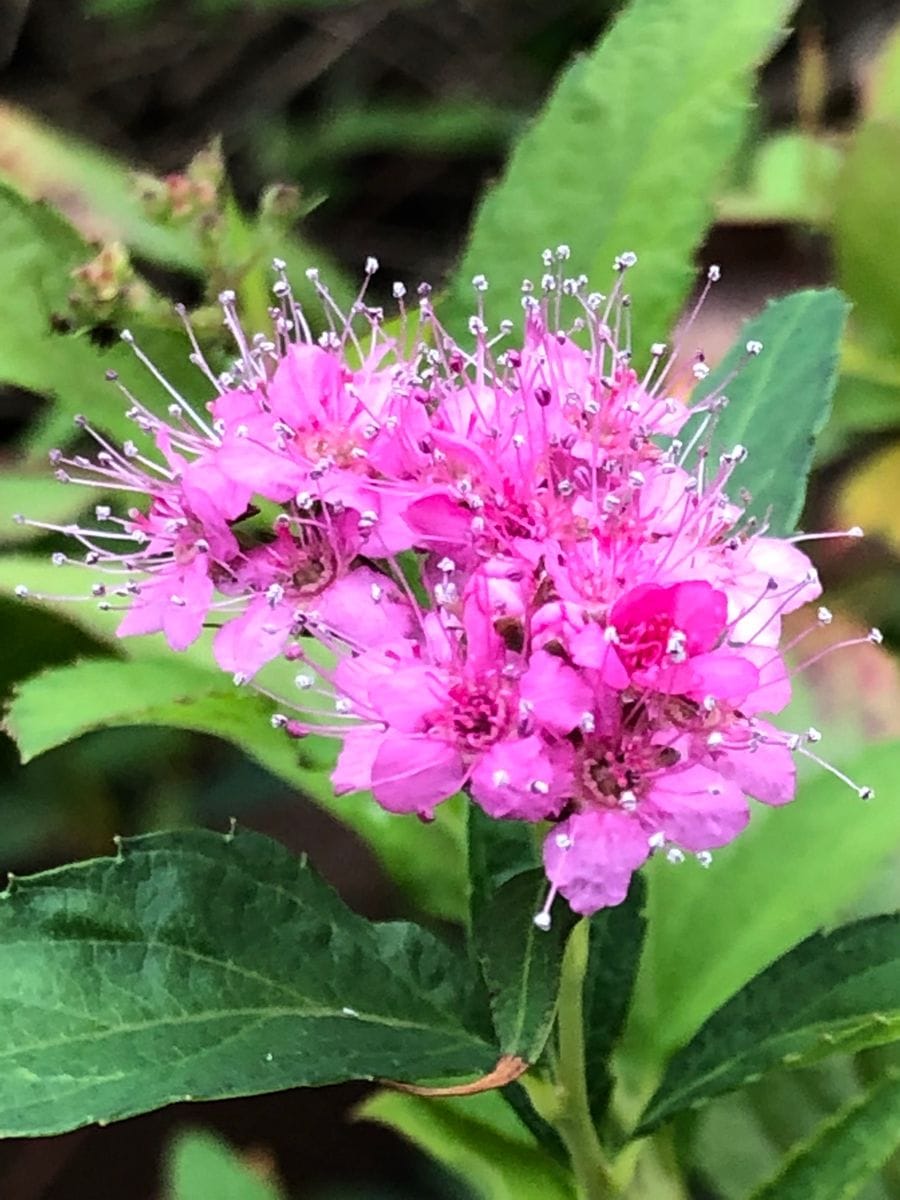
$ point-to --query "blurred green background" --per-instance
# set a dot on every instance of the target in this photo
(380, 124)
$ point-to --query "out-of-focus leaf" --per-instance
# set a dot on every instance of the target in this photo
(833, 992)
(792, 179)
(201, 1167)
(711, 931)
(779, 400)
(450, 127)
(739, 1141)
(39, 497)
(867, 196)
(845, 1152)
(58, 705)
(477, 1138)
(96, 193)
(196, 965)
(868, 497)
(89, 187)
(625, 155)
(38, 252)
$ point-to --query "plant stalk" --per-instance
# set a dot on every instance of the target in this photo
(573, 1119)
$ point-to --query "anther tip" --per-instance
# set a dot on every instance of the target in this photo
(543, 921)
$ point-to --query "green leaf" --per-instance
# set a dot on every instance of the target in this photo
(479, 1139)
(39, 497)
(196, 965)
(521, 964)
(625, 155)
(61, 704)
(740, 1141)
(837, 991)
(780, 400)
(200, 1167)
(845, 1151)
(101, 190)
(616, 937)
(794, 870)
(38, 252)
(792, 179)
(867, 195)
(53, 707)
(498, 851)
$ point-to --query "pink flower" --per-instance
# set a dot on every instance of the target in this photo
(510, 568)
(460, 707)
(302, 580)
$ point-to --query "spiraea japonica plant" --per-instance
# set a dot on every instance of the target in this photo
(479, 573)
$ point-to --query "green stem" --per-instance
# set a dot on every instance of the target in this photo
(573, 1119)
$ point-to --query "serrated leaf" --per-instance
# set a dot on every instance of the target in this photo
(625, 155)
(845, 1151)
(201, 1167)
(834, 992)
(521, 964)
(60, 704)
(793, 871)
(205, 966)
(780, 400)
(477, 1138)
(615, 940)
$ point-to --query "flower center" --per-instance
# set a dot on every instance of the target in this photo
(481, 714)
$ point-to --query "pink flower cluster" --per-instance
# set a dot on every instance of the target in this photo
(502, 568)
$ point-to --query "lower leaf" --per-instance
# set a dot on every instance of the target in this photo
(199, 966)
(479, 1139)
(833, 992)
(845, 1151)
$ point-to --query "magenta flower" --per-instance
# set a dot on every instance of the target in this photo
(527, 578)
